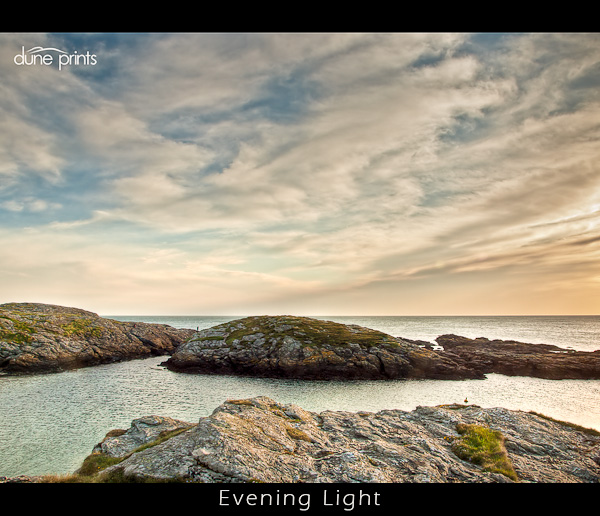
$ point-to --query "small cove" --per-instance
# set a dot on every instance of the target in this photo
(51, 422)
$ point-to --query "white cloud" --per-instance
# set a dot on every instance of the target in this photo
(29, 204)
(266, 166)
(25, 146)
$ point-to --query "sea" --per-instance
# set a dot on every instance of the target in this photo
(50, 422)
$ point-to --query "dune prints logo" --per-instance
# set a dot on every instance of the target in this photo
(50, 55)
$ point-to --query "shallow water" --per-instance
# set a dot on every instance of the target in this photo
(50, 423)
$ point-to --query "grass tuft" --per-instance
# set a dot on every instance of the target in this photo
(80, 327)
(484, 447)
(96, 462)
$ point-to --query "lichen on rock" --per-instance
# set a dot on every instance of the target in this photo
(261, 440)
(36, 337)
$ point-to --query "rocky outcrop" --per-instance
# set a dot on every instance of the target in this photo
(46, 338)
(513, 358)
(38, 338)
(260, 440)
(302, 347)
(120, 443)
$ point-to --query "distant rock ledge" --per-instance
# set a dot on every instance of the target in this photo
(37, 338)
(513, 358)
(261, 440)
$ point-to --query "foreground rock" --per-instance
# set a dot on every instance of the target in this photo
(120, 443)
(262, 440)
(513, 358)
(45, 338)
(301, 347)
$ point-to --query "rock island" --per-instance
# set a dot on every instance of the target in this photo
(302, 347)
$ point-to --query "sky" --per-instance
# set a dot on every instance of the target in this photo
(306, 174)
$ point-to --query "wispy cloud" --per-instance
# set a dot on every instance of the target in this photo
(318, 172)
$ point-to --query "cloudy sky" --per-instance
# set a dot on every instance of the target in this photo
(313, 174)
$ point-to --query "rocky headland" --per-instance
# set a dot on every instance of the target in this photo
(261, 440)
(306, 348)
(37, 338)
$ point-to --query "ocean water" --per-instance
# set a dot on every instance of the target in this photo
(576, 332)
(49, 423)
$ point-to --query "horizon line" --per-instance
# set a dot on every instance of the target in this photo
(347, 315)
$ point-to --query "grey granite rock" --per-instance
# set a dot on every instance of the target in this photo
(261, 440)
(119, 443)
(302, 347)
(37, 338)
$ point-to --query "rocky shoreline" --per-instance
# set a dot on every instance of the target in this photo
(261, 440)
(513, 358)
(306, 348)
(41, 338)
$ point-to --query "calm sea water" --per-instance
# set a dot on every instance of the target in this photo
(50, 423)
